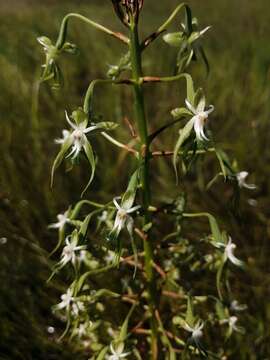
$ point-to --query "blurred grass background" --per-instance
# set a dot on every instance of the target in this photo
(238, 48)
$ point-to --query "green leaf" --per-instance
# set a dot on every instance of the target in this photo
(190, 89)
(130, 194)
(91, 158)
(214, 228)
(188, 21)
(190, 318)
(85, 225)
(224, 162)
(184, 134)
(103, 353)
(124, 327)
(60, 156)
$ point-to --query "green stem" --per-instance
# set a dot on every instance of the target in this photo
(63, 30)
(165, 25)
(87, 106)
(145, 155)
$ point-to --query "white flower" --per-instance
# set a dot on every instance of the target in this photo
(241, 178)
(117, 353)
(65, 135)
(252, 202)
(3, 240)
(229, 253)
(123, 219)
(62, 221)
(82, 256)
(104, 216)
(69, 251)
(231, 321)
(199, 118)
(196, 331)
(235, 306)
(78, 136)
(77, 307)
(67, 299)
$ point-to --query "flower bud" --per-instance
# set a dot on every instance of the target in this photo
(128, 10)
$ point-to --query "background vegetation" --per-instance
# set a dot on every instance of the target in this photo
(239, 51)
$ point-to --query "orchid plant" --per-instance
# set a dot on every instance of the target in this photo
(162, 322)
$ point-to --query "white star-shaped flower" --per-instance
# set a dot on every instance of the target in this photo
(77, 307)
(196, 331)
(199, 118)
(65, 135)
(117, 352)
(235, 306)
(62, 221)
(229, 253)
(231, 321)
(123, 219)
(69, 251)
(241, 178)
(67, 299)
(78, 136)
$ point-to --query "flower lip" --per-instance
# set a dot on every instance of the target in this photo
(196, 331)
(117, 352)
(229, 253)
(199, 118)
(62, 221)
(241, 178)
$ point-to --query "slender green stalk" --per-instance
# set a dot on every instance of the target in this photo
(165, 25)
(63, 30)
(145, 156)
(87, 106)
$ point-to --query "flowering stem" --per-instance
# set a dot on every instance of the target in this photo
(145, 155)
(63, 30)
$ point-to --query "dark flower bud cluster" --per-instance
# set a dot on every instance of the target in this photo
(128, 10)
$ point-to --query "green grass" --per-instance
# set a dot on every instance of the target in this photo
(239, 51)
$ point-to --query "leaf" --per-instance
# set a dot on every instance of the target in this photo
(103, 353)
(85, 224)
(190, 88)
(60, 156)
(224, 162)
(214, 228)
(124, 327)
(188, 21)
(190, 319)
(91, 158)
(130, 194)
(184, 134)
